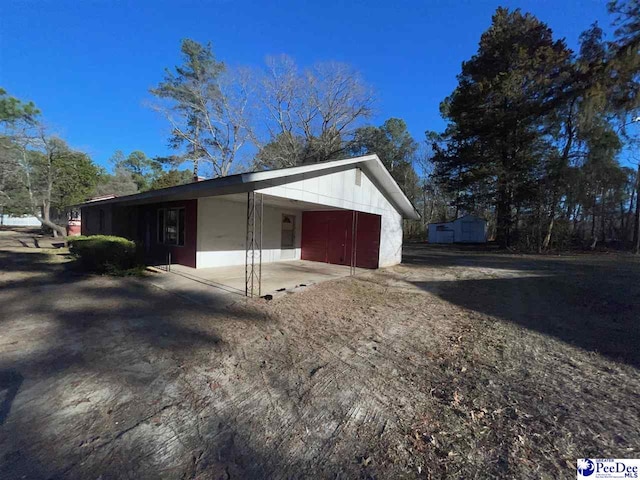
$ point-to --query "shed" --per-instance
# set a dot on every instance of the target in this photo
(467, 229)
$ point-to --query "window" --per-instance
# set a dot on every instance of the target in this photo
(171, 226)
(358, 177)
(288, 231)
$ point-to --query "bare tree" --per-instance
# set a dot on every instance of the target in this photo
(308, 115)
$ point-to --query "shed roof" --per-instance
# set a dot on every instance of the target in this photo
(459, 218)
(246, 182)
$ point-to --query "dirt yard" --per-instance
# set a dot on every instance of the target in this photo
(457, 364)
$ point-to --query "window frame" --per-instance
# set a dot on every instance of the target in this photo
(161, 233)
(293, 231)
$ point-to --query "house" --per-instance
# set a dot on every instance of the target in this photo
(467, 229)
(345, 212)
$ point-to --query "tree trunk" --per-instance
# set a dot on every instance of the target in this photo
(538, 229)
(45, 219)
(552, 218)
(636, 225)
(630, 213)
(504, 215)
(594, 239)
(622, 233)
(547, 237)
(516, 223)
(576, 215)
(603, 216)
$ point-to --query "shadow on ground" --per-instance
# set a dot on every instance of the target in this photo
(71, 336)
(112, 378)
(589, 301)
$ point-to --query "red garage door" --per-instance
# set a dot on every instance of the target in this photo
(327, 236)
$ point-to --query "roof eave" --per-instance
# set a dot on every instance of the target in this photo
(239, 182)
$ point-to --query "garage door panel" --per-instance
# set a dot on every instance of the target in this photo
(315, 229)
(368, 240)
(327, 236)
(339, 240)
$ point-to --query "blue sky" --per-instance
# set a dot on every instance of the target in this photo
(88, 65)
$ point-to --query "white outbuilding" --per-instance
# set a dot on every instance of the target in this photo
(467, 229)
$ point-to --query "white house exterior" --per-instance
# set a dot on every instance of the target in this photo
(345, 212)
(19, 221)
(467, 229)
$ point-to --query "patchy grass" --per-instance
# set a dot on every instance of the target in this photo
(457, 364)
(137, 271)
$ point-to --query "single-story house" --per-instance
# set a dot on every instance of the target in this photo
(346, 212)
(467, 229)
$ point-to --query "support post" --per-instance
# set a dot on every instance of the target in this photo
(253, 245)
(354, 242)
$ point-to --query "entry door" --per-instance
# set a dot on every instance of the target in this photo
(288, 237)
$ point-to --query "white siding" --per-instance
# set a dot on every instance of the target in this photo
(340, 190)
(19, 221)
(222, 233)
(468, 229)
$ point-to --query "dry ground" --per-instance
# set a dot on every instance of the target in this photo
(456, 364)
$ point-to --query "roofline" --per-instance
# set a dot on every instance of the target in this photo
(243, 182)
(459, 218)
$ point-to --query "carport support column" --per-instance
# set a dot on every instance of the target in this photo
(354, 242)
(253, 250)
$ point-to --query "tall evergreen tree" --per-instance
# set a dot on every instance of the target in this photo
(625, 67)
(206, 112)
(395, 147)
(496, 134)
(142, 169)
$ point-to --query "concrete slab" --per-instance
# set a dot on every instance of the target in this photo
(220, 282)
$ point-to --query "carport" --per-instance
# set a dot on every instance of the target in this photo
(276, 277)
(281, 230)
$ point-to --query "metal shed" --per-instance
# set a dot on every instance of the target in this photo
(467, 229)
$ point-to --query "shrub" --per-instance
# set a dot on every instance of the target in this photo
(104, 253)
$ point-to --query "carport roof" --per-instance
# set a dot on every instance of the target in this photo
(246, 182)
